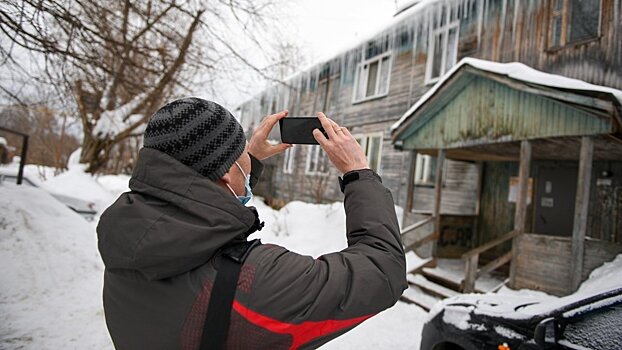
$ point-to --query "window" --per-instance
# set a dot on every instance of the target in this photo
(372, 145)
(288, 161)
(321, 97)
(442, 51)
(574, 21)
(317, 162)
(425, 169)
(372, 78)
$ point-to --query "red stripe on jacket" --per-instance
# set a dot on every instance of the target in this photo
(301, 333)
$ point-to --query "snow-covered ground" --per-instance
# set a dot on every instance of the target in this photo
(51, 272)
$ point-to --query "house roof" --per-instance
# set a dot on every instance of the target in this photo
(515, 71)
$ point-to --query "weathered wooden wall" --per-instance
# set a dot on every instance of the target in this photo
(496, 217)
(503, 31)
(544, 261)
(459, 195)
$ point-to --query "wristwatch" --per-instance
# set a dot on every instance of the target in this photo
(354, 175)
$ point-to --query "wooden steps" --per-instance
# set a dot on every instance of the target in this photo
(415, 295)
(434, 289)
(432, 280)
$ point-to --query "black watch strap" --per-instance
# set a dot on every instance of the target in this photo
(354, 175)
(347, 178)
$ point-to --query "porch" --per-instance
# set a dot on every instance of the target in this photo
(560, 155)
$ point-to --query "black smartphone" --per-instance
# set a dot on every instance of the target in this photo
(299, 130)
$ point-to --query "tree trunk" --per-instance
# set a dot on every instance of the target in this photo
(95, 153)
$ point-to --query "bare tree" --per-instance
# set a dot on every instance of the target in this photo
(50, 143)
(119, 60)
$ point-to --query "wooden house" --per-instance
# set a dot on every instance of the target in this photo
(496, 171)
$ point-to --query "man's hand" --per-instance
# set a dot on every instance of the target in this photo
(340, 146)
(259, 146)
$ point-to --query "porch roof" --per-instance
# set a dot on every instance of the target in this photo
(480, 106)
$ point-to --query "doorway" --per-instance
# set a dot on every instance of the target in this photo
(556, 189)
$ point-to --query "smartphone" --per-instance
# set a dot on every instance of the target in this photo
(299, 130)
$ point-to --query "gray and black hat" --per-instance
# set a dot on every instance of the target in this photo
(198, 133)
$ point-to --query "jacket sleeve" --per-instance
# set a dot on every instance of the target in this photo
(361, 280)
(256, 170)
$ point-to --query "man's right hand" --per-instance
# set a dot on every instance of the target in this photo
(340, 146)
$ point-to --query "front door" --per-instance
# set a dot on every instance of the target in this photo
(556, 189)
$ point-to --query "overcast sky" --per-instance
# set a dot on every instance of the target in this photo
(327, 26)
(324, 28)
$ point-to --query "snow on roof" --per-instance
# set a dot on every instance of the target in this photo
(514, 70)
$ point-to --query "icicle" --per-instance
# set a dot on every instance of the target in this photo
(480, 19)
(515, 15)
(503, 16)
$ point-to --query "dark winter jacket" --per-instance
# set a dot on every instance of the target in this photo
(158, 242)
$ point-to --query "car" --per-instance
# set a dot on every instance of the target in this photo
(505, 322)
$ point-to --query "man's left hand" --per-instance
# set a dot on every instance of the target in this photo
(259, 146)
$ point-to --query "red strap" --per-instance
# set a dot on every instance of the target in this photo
(301, 333)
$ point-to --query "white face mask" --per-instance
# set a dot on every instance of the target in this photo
(247, 186)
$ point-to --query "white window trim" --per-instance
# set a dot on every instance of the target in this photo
(317, 158)
(431, 46)
(359, 69)
(288, 161)
(365, 138)
(423, 169)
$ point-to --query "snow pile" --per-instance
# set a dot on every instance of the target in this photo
(74, 184)
(50, 275)
(606, 277)
(3, 142)
(304, 228)
(35, 174)
(78, 184)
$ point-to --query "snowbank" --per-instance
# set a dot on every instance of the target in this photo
(50, 275)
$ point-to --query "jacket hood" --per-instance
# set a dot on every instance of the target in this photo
(172, 221)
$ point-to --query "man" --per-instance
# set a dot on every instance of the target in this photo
(161, 242)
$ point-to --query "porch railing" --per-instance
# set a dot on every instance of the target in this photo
(422, 240)
(471, 258)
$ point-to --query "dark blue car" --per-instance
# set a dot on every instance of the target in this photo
(502, 322)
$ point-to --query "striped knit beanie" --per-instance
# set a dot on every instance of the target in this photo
(200, 134)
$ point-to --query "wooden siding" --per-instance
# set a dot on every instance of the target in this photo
(605, 208)
(504, 114)
(459, 195)
(496, 216)
(544, 261)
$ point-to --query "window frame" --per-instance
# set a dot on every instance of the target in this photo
(423, 170)
(364, 137)
(288, 160)
(564, 37)
(319, 155)
(360, 71)
(431, 46)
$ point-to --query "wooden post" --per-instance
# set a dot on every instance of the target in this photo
(438, 189)
(580, 211)
(470, 273)
(521, 205)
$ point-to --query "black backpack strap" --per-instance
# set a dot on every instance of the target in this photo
(218, 316)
